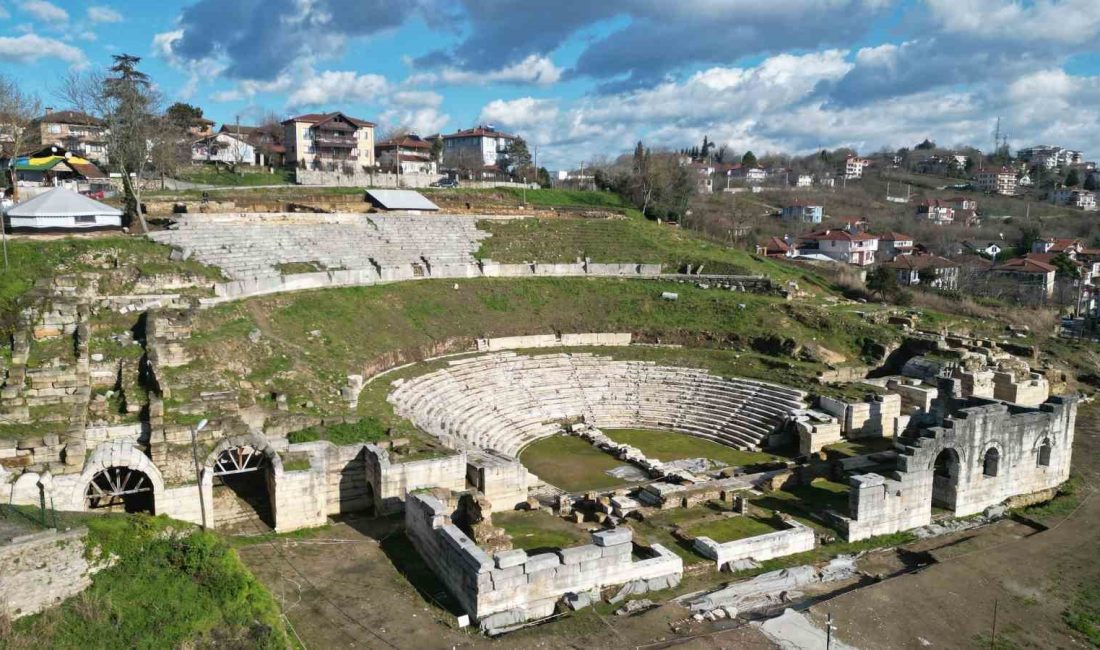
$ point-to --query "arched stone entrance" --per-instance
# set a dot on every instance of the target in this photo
(241, 474)
(945, 479)
(120, 489)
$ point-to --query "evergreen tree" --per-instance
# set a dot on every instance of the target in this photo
(749, 159)
(1092, 182)
(1073, 178)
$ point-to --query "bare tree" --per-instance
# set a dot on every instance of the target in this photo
(18, 110)
(169, 147)
(125, 99)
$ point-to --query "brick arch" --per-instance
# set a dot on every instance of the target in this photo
(119, 453)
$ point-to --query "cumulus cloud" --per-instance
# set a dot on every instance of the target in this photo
(535, 70)
(101, 14)
(29, 48)
(259, 39)
(335, 87)
(1061, 21)
(424, 121)
(45, 11)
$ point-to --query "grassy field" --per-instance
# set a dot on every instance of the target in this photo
(533, 530)
(669, 445)
(413, 320)
(729, 529)
(169, 586)
(571, 464)
(211, 175)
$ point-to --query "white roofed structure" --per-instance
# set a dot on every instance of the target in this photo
(402, 200)
(62, 209)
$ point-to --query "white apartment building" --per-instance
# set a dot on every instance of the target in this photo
(1074, 198)
(1050, 156)
(996, 181)
(480, 147)
(852, 168)
(856, 248)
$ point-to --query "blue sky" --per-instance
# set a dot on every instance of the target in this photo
(583, 80)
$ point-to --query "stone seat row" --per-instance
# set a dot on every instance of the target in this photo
(504, 401)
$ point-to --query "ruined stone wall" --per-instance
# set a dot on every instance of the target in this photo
(872, 418)
(1033, 448)
(513, 587)
(1031, 391)
(797, 538)
(40, 570)
(391, 482)
(584, 339)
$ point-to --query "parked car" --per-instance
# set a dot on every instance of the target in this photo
(446, 183)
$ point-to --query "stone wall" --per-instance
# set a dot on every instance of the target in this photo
(1030, 391)
(40, 570)
(513, 587)
(796, 538)
(874, 417)
(387, 181)
(554, 340)
(1032, 447)
(503, 480)
(391, 483)
(816, 430)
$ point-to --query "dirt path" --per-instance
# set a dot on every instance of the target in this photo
(1030, 579)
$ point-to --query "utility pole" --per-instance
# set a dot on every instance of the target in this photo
(993, 633)
(829, 631)
(198, 472)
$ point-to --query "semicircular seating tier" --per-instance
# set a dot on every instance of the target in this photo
(505, 401)
(248, 246)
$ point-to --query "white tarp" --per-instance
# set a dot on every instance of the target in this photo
(400, 200)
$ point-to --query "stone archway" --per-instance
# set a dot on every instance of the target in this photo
(241, 474)
(946, 470)
(117, 477)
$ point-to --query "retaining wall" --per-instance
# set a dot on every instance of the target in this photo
(40, 570)
(797, 538)
(391, 482)
(553, 340)
(513, 587)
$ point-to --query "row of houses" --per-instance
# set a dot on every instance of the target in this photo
(335, 141)
(312, 140)
(754, 175)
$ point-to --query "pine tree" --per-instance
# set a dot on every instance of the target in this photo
(749, 159)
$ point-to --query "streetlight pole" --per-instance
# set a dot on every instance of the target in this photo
(198, 472)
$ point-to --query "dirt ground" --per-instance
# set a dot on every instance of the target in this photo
(1030, 579)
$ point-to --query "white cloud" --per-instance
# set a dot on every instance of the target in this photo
(29, 48)
(534, 70)
(417, 98)
(423, 121)
(522, 113)
(250, 88)
(1063, 21)
(101, 14)
(45, 11)
(333, 87)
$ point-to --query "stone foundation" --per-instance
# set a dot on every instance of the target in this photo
(40, 570)
(797, 538)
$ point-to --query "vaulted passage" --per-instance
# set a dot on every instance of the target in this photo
(945, 479)
(242, 491)
(120, 489)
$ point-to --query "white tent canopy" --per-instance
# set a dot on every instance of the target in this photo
(65, 209)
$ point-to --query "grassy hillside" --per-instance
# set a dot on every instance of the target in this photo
(169, 586)
(211, 175)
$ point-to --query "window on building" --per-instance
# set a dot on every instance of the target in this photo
(991, 462)
(54, 128)
(85, 218)
(1044, 454)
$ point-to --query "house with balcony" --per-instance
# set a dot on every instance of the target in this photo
(851, 168)
(1030, 279)
(893, 244)
(329, 142)
(407, 154)
(996, 181)
(78, 133)
(802, 213)
(1050, 156)
(225, 148)
(480, 148)
(857, 248)
(930, 271)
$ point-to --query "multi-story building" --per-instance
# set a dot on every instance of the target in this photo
(996, 181)
(926, 270)
(893, 244)
(482, 147)
(804, 180)
(79, 133)
(852, 168)
(1074, 198)
(223, 147)
(856, 248)
(329, 141)
(1030, 278)
(1050, 156)
(266, 141)
(408, 154)
(802, 213)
